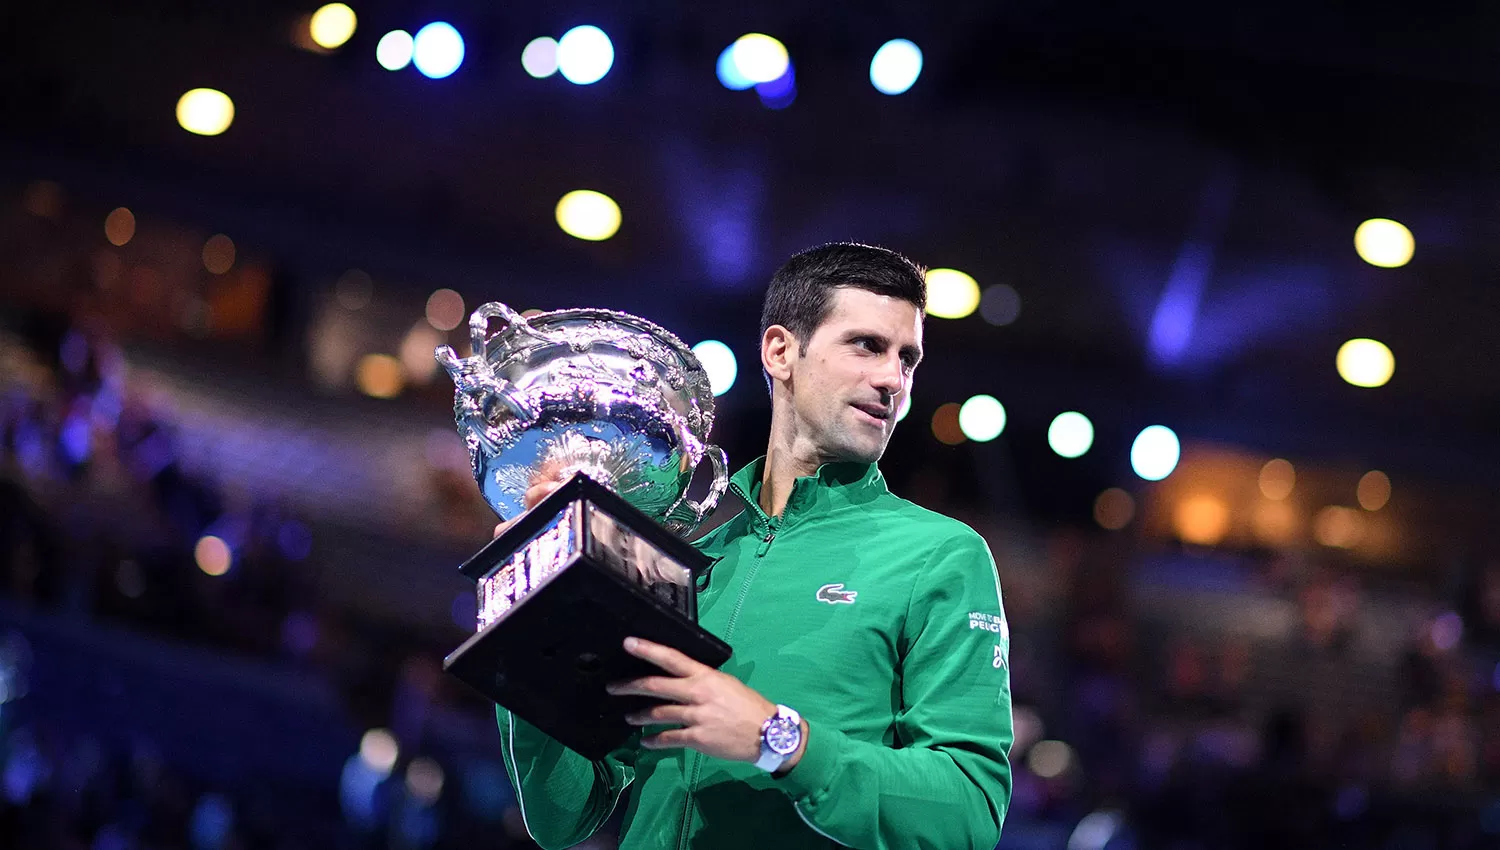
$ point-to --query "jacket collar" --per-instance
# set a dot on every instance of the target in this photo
(834, 485)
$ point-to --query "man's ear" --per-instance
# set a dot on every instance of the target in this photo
(778, 351)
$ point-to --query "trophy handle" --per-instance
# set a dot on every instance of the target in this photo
(479, 326)
(700, 510)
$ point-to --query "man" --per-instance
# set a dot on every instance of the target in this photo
(867, 703)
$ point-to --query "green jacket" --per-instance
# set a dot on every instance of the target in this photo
(879, 621)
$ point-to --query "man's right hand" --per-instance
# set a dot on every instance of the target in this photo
(539, 490)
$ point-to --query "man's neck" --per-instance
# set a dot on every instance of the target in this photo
(787, 459)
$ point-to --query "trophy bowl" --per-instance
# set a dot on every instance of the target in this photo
(620, 409)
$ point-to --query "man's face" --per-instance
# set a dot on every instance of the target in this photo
(855, 373)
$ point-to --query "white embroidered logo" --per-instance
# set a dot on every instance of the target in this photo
(999, 657)
(834, 594)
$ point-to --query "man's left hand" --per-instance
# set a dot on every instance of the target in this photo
(718, 715)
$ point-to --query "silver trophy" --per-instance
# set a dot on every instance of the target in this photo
(620, 409)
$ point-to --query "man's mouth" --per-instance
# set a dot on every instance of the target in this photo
(874, 411)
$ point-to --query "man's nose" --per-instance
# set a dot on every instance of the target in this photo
(887, 378)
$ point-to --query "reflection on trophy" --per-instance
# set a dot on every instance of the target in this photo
(621, 410)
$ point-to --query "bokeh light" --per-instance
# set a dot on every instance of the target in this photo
(206, 112)
(896, 66)
(218, 254)
(354, 289)
(951, 294)
(1114, 508)
(424, 781)
(1276, 523)
(945, 425)
(437, 50)
(1384, 243)
(332, 25)
(589, 215)
(1000, 305)
(1338, 527)
(394, 50)
(1155, 452)
(378, 750)
(119, 226)
(445, 309)
(729, 73)
(1049, 759)
(1201, 519)
(540, 57)
(982, 418)
(584, 55)
(718, 361)
(904, 408)
(1071, 434)
(380, 376)
(213, 555)
(1277, 478)
(1365, 363)
(780, 92)
(1374, 490)
(417, 362)
(760, 58)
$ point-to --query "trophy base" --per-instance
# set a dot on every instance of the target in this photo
(593, 570)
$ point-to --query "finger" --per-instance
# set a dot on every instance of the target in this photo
(665, 657)
(674, 714)
(500, 529)
(667, 739)
(661, 687)
(539, 491)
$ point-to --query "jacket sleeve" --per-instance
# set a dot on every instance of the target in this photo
(946, 783)
(564, 797)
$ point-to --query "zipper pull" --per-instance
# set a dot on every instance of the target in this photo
(765, 543)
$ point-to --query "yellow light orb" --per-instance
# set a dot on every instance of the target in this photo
(951, 294)
(759, 57)
(1384, 243)
(1374, 490)
(1275, 523)
(1277, 478)
(119, 226)
(1202, 520)
(1365, 363)
(218, 254)
(586, 214)
(207, 112)
(1338, 527)
(213, 555)
(1113, 509)
(332, 25)
(380, 376)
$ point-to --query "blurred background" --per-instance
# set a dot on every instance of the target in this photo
(1211, 364)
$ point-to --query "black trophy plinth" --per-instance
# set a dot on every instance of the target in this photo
(559, 591)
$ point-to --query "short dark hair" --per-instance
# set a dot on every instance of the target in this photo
(800, 293)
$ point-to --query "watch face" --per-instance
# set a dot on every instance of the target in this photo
(783, 736)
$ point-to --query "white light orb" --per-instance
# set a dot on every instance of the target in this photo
(540, 57)
(438, 50)
(1155, 452)
(896, 66)
(1071, 434)
(982, 418)
(718, 361)
(584, 55)
(394, 50)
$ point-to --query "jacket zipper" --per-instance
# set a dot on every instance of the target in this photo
(695, 756)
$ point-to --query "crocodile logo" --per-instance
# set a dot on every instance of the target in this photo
(833, 594)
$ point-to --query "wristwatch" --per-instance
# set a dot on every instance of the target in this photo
(780, 736)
